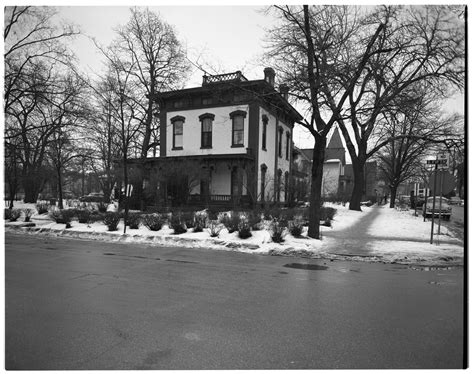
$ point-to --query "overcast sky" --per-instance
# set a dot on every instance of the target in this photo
(228, 38)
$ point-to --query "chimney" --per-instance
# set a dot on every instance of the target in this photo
(284, 89)
(269, 76)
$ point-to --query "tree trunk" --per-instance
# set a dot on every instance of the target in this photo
(60, 190)
(393, 195)
(316, 184)
(359, 183)
(31, 185)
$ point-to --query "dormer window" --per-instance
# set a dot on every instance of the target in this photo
(177, 122)
(238, 117)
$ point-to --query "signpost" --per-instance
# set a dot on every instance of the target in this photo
(445, 184)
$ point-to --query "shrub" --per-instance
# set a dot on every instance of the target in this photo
(134, 220)
(153, 221)
(102, 207)
(244, 229)
(271, 212)
(177, 223)
(84, 215)
(187, 218)
(255, 220)
(28, 214)
(7, 213)
(327, 213)
(200, 221)
(96, 217)
(14, 215)
(214, 228)
(232, 222)
(111, 220)
(42, 208)
(277, 228)
(62, 216)
(296, 227)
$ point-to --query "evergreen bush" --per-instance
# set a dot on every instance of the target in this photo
(111, 220)
(153, 221)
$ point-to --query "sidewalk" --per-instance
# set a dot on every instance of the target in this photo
(399, 235)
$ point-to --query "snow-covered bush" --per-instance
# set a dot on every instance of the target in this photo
(231, 222)
(83, 215)
(277, 229)
(62, 216)
(7, 213)
(214, 228)
(102, 207)
(153, 221)
(28, 212)
(42, 207)
(134, 220)
(255, 220)
(296, 227)
(177, 223)
(327, 213)
(14, 215)
(200, 221)
(244, 229)
(111, 220)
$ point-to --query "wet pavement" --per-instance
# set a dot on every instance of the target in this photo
(74, 304)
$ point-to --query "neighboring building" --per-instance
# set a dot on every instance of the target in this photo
(227, 143)
(301, 175)
(338, 176)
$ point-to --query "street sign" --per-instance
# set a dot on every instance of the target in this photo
(447, 180)
(442, 161)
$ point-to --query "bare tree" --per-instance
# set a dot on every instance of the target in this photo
(348, 64)
(158, 63)
(34, 52)
(419, 44)
(307, 47)
(414, 126)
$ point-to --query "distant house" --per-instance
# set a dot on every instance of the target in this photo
(226, 143)
(338, 176)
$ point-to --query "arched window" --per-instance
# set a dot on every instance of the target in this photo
(263, 181)
(206, 129)
(264, 132)
(287, 148)
(238, 117)
(178, 132)
(280, 136)
(278, 186)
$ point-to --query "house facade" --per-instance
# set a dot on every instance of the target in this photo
(226, 143)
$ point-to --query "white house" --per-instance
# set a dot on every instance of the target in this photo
(228, 142)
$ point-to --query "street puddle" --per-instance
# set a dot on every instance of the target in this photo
(183, 261)
(295, 265)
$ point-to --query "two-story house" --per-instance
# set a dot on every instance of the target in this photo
(228, 143)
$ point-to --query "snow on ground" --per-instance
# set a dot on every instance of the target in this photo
(391, 236)
(400, 235)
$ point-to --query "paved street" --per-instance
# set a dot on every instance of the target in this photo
(74, 304)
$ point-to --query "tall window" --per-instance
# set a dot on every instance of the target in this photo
(264, 132)
(206, 129)
(287, 182)
(263, 181)
(238, 127)
(280, 136)
(177, 132)
(287, 148)
(278, 187)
